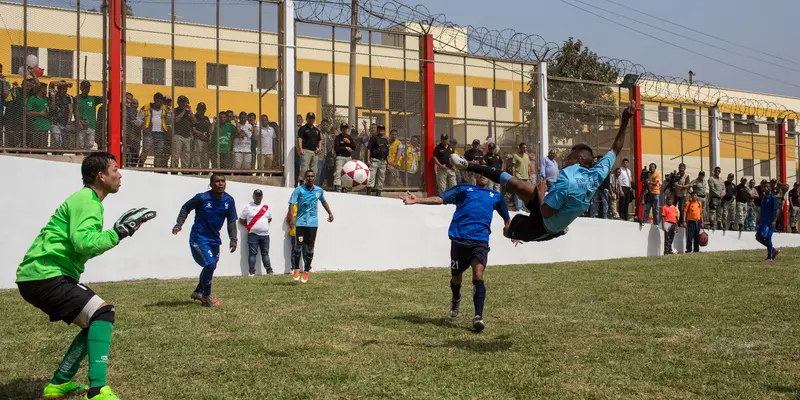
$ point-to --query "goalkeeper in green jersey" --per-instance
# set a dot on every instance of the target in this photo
(49, 273)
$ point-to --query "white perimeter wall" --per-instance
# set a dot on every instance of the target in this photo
(369, 233)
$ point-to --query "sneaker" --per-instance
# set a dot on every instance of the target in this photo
(477, 324)
(458, 161)
(296, 275)
(252, 274)
(105, 394)
(305, 277)
(53, 391)
(270, 272)
(775, 253)
(210, 301)
(455, 307)
(197, 296)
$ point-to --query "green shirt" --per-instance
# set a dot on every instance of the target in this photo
(225, 133)
(38, 104)
(73, 235)
(521, 165)
(88, 108)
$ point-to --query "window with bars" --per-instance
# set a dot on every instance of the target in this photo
(18, 56)
(318, 86)
(59, 63)
(406, 125)
(154, 71)
(499, 98)
(765, 168)
(212, 70)
(770, 124)
(372, 93)
(267, 78)
(444, 126)
(404, 96)
(753, 124)
(677, 117)
(726, 122)
(749, 169)
(739, 124)
(663, 113)
(691, 119)
(441, 98)
(298, 82)
(480, 97)
(183, 73)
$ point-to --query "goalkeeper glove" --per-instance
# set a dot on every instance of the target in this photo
(132, 220)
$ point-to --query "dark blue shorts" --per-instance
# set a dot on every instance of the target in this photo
(765, 231)
(204, 254)
(463, 251)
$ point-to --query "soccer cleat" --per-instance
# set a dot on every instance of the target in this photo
(53, 391)
(458, 161)
(455, 307)
(210, 301)
(775, 253)
(197, 296)
(296, 275)
(477, 323)
(105, 394)
(305, 277)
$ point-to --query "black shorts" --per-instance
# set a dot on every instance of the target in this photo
(530, 228)
(463, 251)
(61, 298)
(306, 235)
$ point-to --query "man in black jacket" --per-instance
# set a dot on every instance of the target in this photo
(343, 147)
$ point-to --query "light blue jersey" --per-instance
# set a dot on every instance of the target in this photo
(573, 192)
(307, 208)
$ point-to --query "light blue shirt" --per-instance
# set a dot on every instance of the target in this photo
(573, 191)
(549, 169)
(307, 208)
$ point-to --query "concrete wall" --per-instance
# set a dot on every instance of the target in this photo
(369, 233)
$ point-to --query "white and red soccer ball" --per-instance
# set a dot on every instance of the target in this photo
(355, 175)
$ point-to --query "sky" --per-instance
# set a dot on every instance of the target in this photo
(770, 65)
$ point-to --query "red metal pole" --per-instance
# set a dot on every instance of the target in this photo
(429, 113)
(115, 78)
(780, 142)
(636, 96)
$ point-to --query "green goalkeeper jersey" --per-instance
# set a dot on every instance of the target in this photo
(73, 236)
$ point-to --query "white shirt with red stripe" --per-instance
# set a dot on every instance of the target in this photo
(261, 225)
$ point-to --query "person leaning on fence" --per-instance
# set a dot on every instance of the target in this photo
(266, 145)
(693, 210)
(256, 218)
(698, 187)
(153, 121)
(493, 159)
(87, 122)
(614, 193)
(241, 143)
(474, 155)
(343, 147)
(729, 203)
(377, 152)
(445, 175)
(308, 141)
(410, 161)
(742, 198)
(393, 161)
(60, 113)
(38, 114)
(182, 139)
(201, 132)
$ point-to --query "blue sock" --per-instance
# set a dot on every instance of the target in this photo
(478, 296)
(770, 249)
(456, 289)
(206, 277)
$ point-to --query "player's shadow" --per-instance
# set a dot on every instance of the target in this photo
(170, 303)
(498, 344)
(444, 322)
(654, 244)
(785, 389)
(28, 388)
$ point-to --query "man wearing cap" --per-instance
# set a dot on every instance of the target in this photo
(377, 152)
(256, 218)
(698, 187)
(343, 147)
(626, 183)
(153, 120)
(201, 130)
(715, 192)
(60, 112)
(182, 139)
(445, 175)
(86, 107)
(308, 139)
(493, 159)
(549, 169)
(521, 169)
(729, 203)
(473, 155)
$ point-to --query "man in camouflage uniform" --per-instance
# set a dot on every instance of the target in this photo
(715, 191)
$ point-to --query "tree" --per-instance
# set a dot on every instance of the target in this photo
(576, 108)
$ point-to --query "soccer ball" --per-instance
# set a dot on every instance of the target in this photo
(355, 175)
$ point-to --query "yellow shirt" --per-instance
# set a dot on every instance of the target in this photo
(655, 183)
(292, 231)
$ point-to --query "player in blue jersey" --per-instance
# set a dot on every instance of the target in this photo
(211, 209)
(469, 237)
(767, 219)
(306, 197)
(552, 212)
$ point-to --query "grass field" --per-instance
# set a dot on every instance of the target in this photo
(721, 325)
